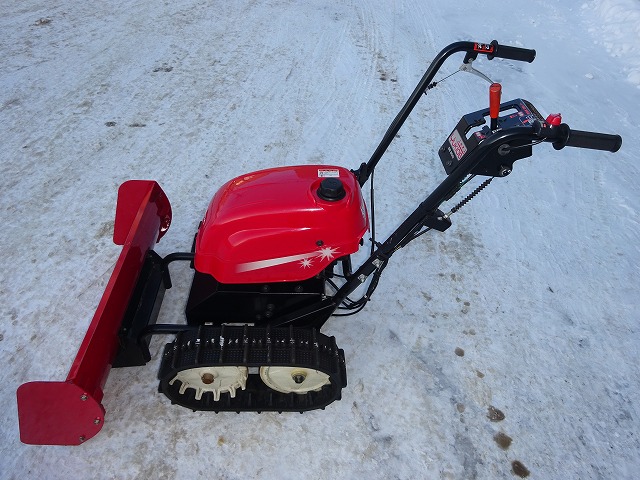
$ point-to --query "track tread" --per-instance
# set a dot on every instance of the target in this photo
(253, 347)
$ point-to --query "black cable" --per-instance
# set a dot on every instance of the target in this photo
(373, 214)
(350, 313)
(347, 302)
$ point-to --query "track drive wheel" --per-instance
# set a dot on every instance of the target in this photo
(212, 379)
(293, 379)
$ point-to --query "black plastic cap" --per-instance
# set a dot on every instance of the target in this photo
(331, 189)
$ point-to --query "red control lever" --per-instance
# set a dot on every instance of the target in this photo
(554, 119)
(495, 90)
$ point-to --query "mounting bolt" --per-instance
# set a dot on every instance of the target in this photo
(97, 421)
(504, 171)
(84, 397)
(299, 377)
(82, 438)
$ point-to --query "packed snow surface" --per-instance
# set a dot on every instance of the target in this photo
(507, 345)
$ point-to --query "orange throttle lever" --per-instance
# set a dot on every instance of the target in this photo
(495, 91)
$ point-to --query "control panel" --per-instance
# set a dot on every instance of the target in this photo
(472, 130)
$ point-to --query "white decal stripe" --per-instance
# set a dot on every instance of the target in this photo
(248, 267)
(326, 253)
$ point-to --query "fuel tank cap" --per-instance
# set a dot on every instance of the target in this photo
(331, 189)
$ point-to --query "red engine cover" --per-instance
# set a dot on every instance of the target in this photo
(271, 226)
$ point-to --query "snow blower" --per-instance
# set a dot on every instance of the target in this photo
(272, 262)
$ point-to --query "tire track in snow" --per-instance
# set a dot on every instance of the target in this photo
(331, 122)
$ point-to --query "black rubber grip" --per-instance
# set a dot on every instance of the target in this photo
(594, 141)
(512, 53)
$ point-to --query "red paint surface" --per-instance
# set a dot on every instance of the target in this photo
(70, 412)
(271, 226)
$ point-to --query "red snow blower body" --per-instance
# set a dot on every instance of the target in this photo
(281, 225)
(271, 264)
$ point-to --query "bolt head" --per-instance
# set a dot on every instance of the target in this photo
(504, 171)
(299, 378)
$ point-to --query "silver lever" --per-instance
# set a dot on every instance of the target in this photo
(468, 67)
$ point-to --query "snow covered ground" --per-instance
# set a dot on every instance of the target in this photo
(527, 305)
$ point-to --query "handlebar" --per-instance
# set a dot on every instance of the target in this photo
(494, 49)
(511, 53)
(472, 50)
(592, 140)
(492, 150)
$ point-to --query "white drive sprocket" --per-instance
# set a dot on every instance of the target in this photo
(212, 379)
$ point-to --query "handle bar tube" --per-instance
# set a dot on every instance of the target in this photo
(415, 221)
(473, 49)
(558, 136)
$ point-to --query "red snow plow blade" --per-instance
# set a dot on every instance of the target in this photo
(70, 412)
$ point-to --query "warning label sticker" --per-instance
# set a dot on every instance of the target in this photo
(458, 146)
(328, 172)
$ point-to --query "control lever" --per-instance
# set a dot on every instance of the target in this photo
(467, 67)
(495, 91)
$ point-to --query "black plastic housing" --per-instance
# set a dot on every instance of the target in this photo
(213, 302)
(142, 311)
(460, 144)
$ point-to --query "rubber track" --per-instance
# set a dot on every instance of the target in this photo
(247, 346)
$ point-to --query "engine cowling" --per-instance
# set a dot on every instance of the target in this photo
(281, 225)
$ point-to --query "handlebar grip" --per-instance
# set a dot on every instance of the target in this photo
(592, 140)
(512, 53)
